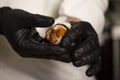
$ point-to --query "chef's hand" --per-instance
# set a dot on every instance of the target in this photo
(18, 27)
(82, 41)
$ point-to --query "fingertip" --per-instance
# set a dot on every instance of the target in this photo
(93, 70)
(51, 21)
(76, 63)
(47, 21)
(89, 74)
(44, 21)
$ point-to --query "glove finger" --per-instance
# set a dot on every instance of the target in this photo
(79, 31)
(42, 21)
(71, 37)
(26, 19)
(88, 46)
(35, 20)
(94, 69)
(87, 59)
(63, 58)
(35, 49)
(58, 55)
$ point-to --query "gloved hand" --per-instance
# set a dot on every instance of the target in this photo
(18, 27)
(82, 41)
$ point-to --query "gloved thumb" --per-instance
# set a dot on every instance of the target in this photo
(24, 18)
(42, 21)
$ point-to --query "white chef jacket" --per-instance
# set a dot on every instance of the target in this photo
(14, 67)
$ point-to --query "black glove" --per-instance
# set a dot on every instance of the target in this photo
(82, 41)
(18, 27)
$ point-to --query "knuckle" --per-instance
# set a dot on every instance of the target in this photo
(76, 63)
(75, 55)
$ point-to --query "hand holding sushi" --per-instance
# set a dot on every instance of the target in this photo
(83, 42)
(18, 26)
